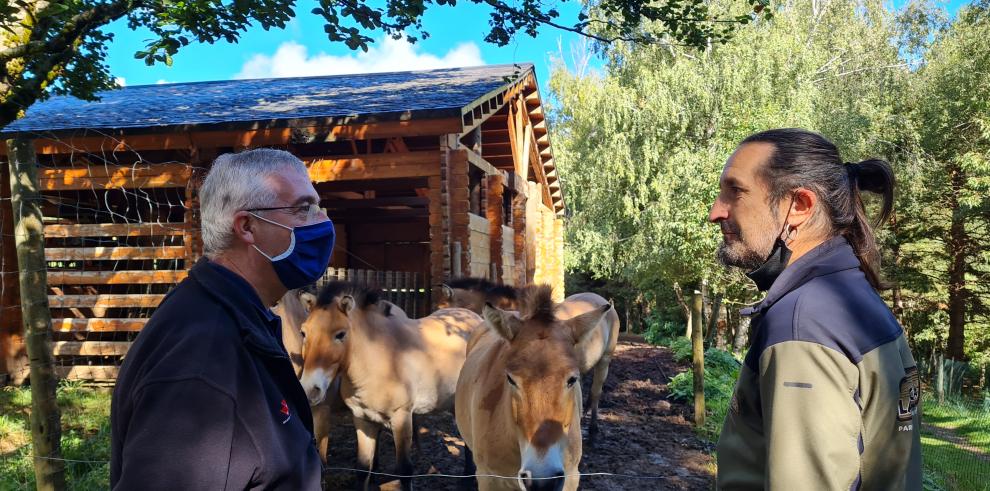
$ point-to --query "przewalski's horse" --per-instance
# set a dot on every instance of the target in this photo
(390, 367)
(293, 308)
(595, 351)
(518, 402)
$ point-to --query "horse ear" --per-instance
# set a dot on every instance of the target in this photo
(346, 304)
(585, 323)
(448, 292)
(308, 300)
(505, 324)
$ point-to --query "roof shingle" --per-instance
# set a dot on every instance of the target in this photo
(272, 102)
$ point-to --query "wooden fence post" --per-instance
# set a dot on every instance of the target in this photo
(46, 422)
(698, 358)
(941, 379)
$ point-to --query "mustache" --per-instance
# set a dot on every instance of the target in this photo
(728, 228)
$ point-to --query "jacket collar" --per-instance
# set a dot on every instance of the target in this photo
(829, 257)
(251, 322)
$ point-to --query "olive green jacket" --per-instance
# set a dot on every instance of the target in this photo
(828, 396)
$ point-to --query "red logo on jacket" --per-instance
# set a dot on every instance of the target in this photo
(285, 411)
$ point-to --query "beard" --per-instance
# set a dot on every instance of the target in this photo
(748, 251)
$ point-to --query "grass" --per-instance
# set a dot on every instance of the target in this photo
(85, 437)
(963, 464)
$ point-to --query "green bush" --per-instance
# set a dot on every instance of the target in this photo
(721, 372)
(660, 330)
(681, 348)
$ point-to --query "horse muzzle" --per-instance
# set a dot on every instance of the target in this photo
(315, 384)
(542, 472)
(553, 482)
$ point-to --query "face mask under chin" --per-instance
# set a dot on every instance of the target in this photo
(767, 273)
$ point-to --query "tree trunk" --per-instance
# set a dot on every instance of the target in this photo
(710, 334)
(46, 421)
(957, 272)
(698, 361)
(679, 293)
(742, 334)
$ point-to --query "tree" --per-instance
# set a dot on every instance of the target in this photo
(640, 147)
(948, 233)
(59, 46)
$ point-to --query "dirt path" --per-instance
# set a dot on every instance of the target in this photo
(948, 435)
(642, 434)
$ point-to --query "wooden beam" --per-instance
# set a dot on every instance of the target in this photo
(480, 162)
(113, 253)
(102, 177)
(88, 372)
(114, 229)
(476, 113)
(374, 203)
(170, 139)
(108, 301)
(114, 277)
(90, 348)
(374, 166)
(98, 325)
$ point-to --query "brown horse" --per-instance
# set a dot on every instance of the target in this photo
(518, 402)
(293, 308)
(390, 366)
(594, 352)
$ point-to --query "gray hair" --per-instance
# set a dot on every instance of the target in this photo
(236, 182)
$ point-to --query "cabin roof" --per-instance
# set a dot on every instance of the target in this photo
(273, 102)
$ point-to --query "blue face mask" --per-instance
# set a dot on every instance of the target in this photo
(308, 254)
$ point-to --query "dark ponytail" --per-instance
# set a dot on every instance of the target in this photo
(804, 159)
(874, 176)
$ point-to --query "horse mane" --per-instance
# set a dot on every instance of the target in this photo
(484, 286)
(364, 296)
(538, 304)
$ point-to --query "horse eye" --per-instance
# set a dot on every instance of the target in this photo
(340, 335)
(571, 381)
(511, 382)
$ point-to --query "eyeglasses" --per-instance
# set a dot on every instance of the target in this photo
(309, 210)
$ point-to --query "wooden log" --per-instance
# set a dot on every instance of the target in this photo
(29, 239)
(114, 277)
(108, 301)
(90, 348)
(98, 325)
(114, 230)
(88, 372)
(109, 177)
(113, 253)
(376, 166)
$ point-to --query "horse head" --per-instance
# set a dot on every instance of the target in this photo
(543, 379)
(339, 308)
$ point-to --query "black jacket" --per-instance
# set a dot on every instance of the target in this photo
(207, 398)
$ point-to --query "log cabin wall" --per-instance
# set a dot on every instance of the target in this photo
(122, 215)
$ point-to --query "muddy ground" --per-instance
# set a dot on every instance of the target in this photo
(643, 434)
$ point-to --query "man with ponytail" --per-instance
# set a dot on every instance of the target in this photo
(828, 395)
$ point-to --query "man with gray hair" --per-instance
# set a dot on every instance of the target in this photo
(207, 397)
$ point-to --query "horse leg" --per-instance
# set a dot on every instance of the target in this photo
(601, 372)
(402, 433)
(321, 428)
(367, 441)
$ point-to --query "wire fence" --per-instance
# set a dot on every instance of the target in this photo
(120, 228)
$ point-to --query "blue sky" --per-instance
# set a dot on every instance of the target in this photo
(456, 39)
(300, 49)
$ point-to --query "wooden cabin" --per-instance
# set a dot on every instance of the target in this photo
(427, 175)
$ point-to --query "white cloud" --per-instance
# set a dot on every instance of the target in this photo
(120, 81)
(292, 59)
(162, 81)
